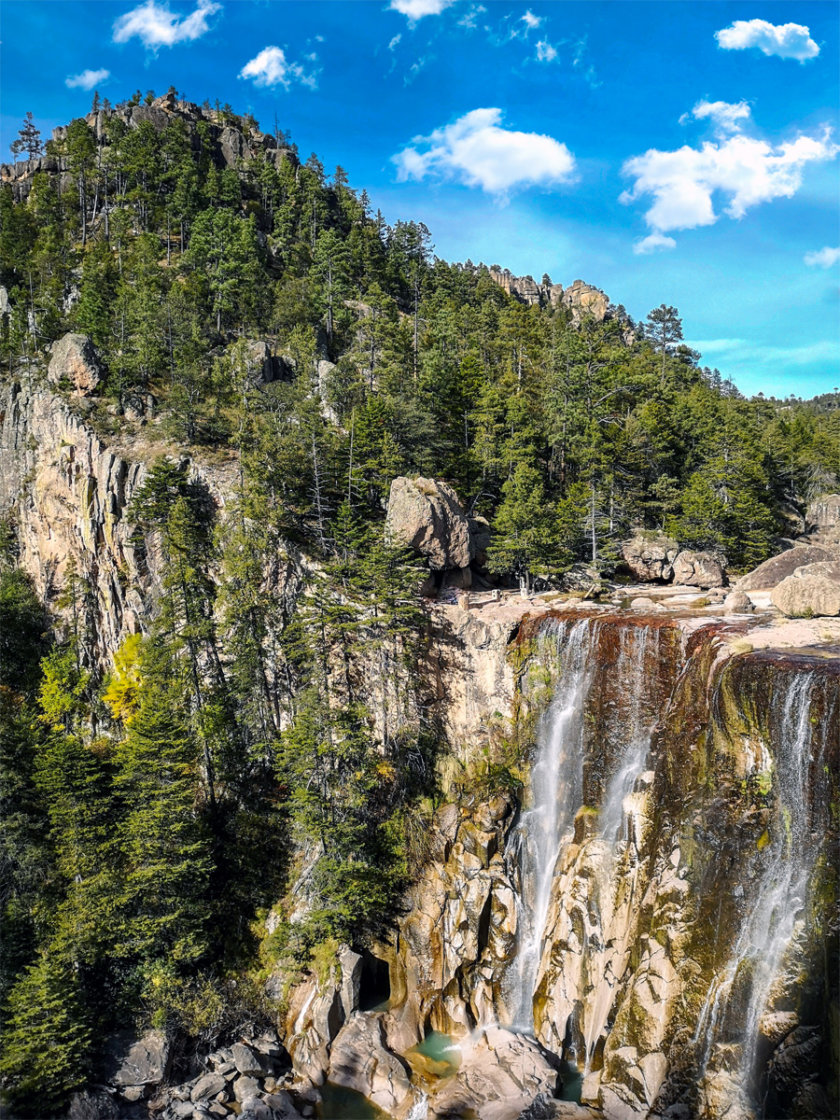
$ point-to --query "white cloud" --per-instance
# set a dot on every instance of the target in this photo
(88, 79)
(271, 68)
(157, 27)
(470, 19)
(394, 42)
(744, 170)
(653, 243)
(787, 40)
(726, 116)
(417, 9)
(822, 258)
(545, 51)
(530, 20)
(477, 151)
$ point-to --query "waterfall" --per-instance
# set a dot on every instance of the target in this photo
(556, 794)
(631, 669)
(740, 994)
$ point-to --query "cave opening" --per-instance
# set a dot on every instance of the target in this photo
(375, 983)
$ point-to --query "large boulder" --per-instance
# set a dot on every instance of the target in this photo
(699, 569)
(822, 518)
(426, 515)
(502, 1076)
(773, 571)
(650, 557)
(137, 1061)
(360, 1060)
(75, 359)
(811, 591)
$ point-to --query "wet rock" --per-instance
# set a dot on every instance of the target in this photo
(699, 569)
(812, 591)
(650, 557)
(796, 1061)
(502, 1075)
(426, 515)
(777, 568)
(360, 1060)
(282, 1105)
(74, 358)
(137, 1061)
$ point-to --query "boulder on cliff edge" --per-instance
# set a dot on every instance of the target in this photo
(699, 569)
(426, 515)
(74, 357)
(811, 591)
(650, 556)
(773, 571)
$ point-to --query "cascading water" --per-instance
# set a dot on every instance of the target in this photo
(556, 793)
(633, 671)
(739, 996)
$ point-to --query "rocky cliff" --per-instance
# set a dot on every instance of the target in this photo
(656, 907)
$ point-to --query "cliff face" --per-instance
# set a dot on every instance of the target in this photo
(660, 911)
(69, 491)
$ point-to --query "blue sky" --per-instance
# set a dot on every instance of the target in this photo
(675, 152)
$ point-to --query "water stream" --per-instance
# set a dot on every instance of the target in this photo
(556, 793)
(739, 995)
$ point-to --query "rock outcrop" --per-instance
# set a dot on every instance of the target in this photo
(699, 569)
(426, 515)
(822, 519)
(74, 359)
(813, 590)
(71, 491)
(650, 557)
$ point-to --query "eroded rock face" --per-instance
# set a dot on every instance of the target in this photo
(502, 1076)
(75, 359)
(773, 571)
(650, 557)
(699, 569)
(71, 493)
(426, 515)
(823, 519)
(360, 1060)
(813, 590)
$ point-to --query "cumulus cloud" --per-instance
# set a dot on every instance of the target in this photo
(271, 68)
(477, 151)
(545, 51)
(787, 40)
(654, 243)
(417, 9)
(530, 20)
(157, 26)
(726, 116)
(88, 79)
(822, 258)
(743, 170)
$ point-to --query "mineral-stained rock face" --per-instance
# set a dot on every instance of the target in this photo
(74, 359)
(426, 515)
(812, 590)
